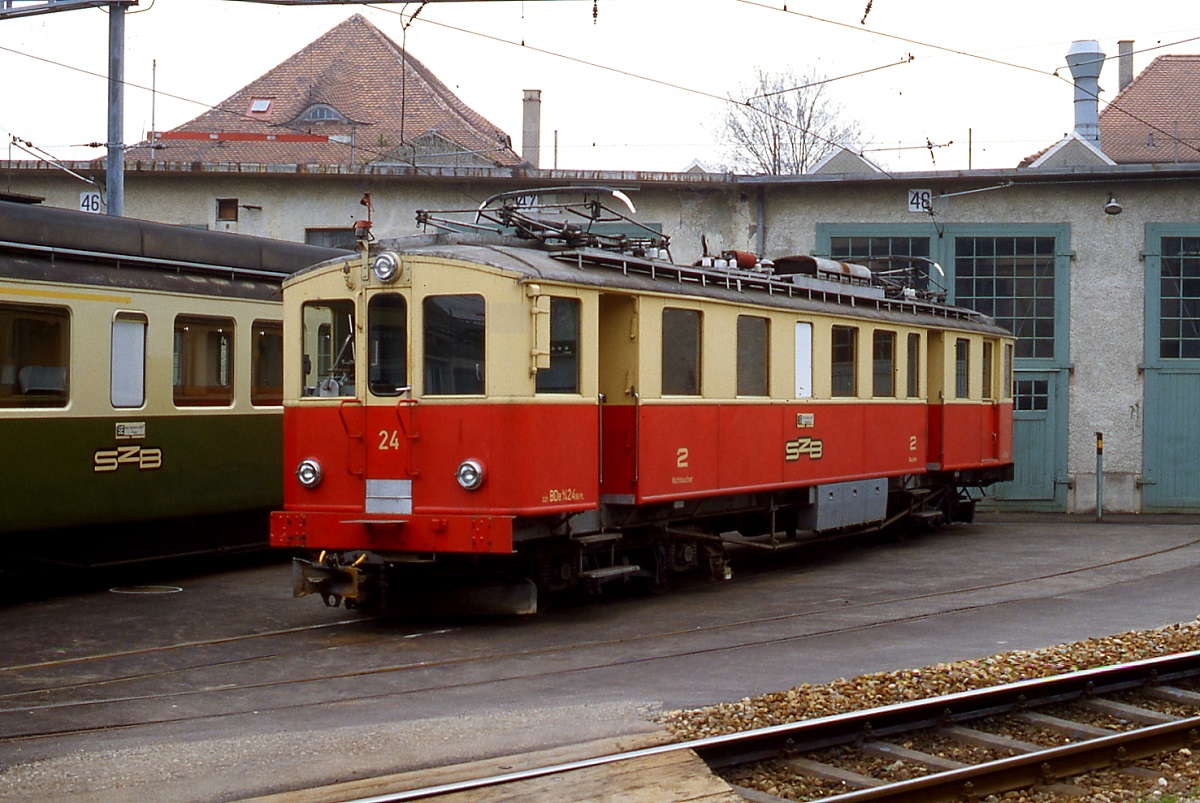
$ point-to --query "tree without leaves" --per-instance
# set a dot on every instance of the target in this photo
(785, 125)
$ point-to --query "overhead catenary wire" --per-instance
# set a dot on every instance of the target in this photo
(594, 65)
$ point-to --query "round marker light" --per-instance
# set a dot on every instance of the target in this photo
(386, 267)
(469, 475)
(309, 473)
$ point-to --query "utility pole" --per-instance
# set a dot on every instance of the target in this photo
(115, 163)
(114, 166)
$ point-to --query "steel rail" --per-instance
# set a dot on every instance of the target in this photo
(1030, 769)
(741, 748)
(764, 743)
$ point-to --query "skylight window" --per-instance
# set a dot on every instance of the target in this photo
(260, 105)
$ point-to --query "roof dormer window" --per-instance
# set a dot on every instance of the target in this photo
(322, 112)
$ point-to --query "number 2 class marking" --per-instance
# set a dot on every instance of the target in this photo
(681, 458)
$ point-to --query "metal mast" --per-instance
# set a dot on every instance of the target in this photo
(115, 164)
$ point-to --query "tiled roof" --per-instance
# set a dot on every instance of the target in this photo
(1156, 118)
(384, 105)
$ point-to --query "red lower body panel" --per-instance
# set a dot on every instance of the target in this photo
(338, 531)
(547, 460)
(659, 452)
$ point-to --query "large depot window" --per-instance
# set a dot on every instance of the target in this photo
(454, 345)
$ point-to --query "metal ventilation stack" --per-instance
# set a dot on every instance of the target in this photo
(1085, 58)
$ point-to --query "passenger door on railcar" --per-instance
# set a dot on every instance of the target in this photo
(936, 367)
(619, 382)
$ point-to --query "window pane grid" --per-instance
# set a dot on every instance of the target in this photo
(1179, 298)
(886, 254)
(1011, 279)
(1031, 394)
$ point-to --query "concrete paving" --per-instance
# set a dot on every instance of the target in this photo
(231, 688)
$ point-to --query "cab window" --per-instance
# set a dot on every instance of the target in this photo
(387, 344)
(328, 353)
(455, 330)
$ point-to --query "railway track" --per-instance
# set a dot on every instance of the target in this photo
(1146, 711)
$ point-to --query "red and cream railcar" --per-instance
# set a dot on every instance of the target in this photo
(539, 411)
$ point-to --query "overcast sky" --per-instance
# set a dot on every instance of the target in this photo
(638, 88)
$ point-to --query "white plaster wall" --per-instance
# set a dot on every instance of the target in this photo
(1106, 288)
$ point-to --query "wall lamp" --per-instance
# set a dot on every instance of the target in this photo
(1112, 207)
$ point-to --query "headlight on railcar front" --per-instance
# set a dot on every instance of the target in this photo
(469, 474)
(386, 267)
(309, 473)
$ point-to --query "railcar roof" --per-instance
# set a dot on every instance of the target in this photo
(594, 267)
(60, 245)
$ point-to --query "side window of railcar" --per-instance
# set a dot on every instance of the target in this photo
(844, 361)
(128, 361)
(883, 363)
(203, 361)
(327, 364)
(454, 345)
(913, 389)
(804, 360)
(962, 375)
(1006, 378)
(753, 369)
(35, 354)
(681, 352)
(563, 374)
(987, 369)
(266, 364)
(387, 344)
